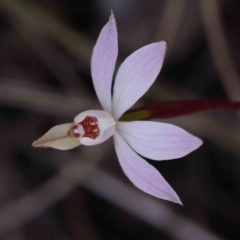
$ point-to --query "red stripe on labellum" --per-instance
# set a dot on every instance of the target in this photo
(171, 109)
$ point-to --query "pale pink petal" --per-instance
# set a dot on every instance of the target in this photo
(57, 137)
(135, 76)
(103, 62)
(106, 124)
(158, 141)
(141, 173)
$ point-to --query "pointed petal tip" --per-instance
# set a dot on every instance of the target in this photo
(112, 15)
(197, 143)
(112, 18)
(59, 144)
(174, 198)
(143, 175)
(158, 141)
(35, 144)
(103, 61)
(57, 137)
(164, 44)
(178, 201)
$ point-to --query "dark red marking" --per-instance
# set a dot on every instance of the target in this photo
(90, 126)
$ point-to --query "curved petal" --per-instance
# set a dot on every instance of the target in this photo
(106, 125)
(141, 173)
(98, 113)
(104, 137)
(57, 137)
(135, 76)
(158, 141)
(103, 62)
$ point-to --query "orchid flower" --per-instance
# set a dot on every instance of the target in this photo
(153, 140)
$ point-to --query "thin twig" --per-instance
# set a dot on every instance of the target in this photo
(29, 13)
(170, 21)
(37, 98)
(218, 47)
(148, 209)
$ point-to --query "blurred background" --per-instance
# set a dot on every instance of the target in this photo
(45, 51)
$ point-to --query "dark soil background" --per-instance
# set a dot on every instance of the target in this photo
(45, 51)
